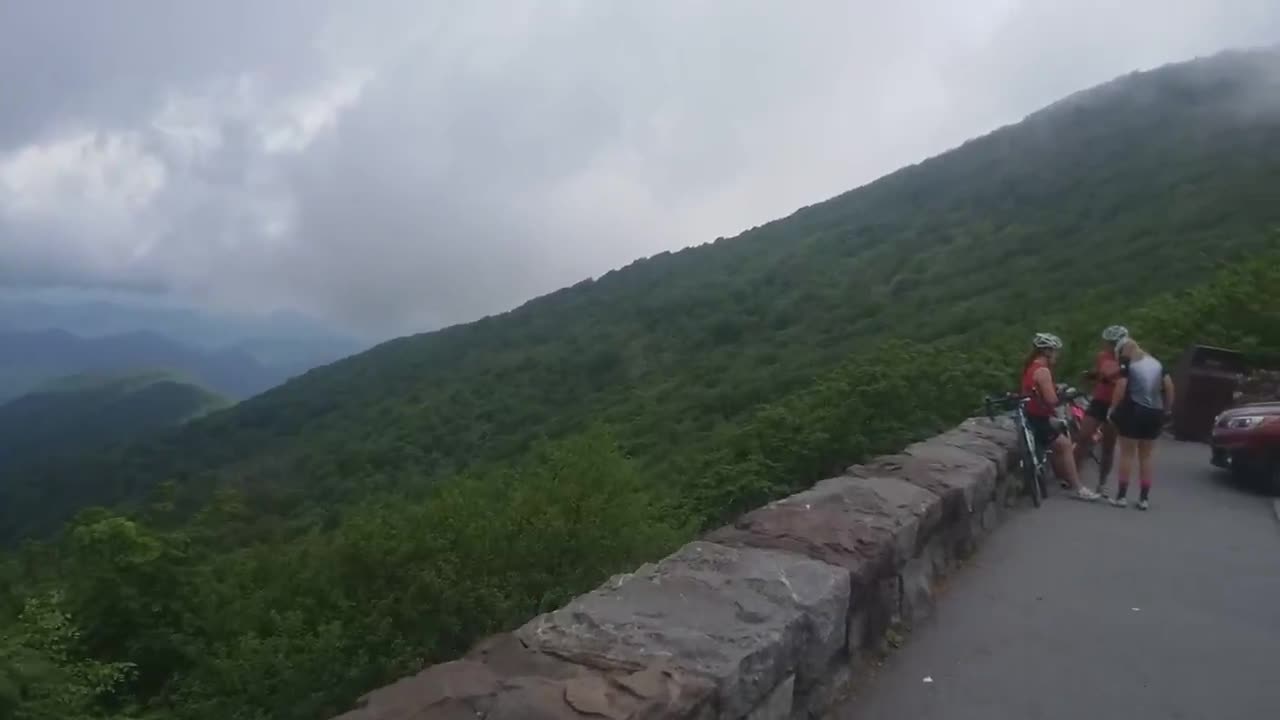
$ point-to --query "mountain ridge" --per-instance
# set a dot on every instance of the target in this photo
(84, 412)
(280, 339)
(279, 559)
(672, 346)
(28, 357)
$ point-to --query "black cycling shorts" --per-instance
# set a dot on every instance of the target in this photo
(1098, 410)
(1044, 430)
(1138, 422)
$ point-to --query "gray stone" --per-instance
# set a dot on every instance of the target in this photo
(860, 624)
(815, 703)
(743, 618)
(1001, 432)
(507, 657)
(910, 512)
(974, 473)
(937, 554)
(976, 531)
(996, 454)
(991, 517)
(882, 609)
(918, 579)
(501, 679)
(936, 476)
(867, 525)
(778, 705)
(458, 689)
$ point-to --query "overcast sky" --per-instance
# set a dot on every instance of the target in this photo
(393, 166)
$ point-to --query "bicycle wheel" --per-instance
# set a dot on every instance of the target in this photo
(1042, 477)
(1031, 483)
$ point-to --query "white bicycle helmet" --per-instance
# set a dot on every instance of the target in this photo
(1115, 334)
(1047, 341)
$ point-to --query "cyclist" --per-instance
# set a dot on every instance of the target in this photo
(1037, 383)
(1105, 372)
(1142, 398)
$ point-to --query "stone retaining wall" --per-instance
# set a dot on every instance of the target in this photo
(766, 619)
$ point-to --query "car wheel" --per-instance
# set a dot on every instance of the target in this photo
(1219, 458)
(1239, 467)
(1271, 476)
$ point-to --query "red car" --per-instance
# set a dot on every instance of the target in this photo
(1246, 440)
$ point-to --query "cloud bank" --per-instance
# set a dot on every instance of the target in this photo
(398, 166)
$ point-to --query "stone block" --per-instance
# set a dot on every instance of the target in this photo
(815, 703)
(778, 705)
(934, 475)
(867, 525)
(502, 679)
(918, 580)
(744, 618)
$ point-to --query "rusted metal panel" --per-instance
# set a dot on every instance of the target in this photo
(1206, 379)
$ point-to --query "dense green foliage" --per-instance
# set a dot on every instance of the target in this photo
(85, 412)
(1144, 184)
(277, 559)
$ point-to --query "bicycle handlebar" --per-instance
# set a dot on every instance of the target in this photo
(1010, 401)
(1004, 403)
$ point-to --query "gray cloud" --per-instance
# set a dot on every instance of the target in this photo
(406, 165)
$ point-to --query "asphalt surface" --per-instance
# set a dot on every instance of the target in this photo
(1081, 610)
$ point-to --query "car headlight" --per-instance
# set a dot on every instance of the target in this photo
(1248, 422)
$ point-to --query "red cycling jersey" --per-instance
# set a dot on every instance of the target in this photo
(1106, 385)
(1037, 407)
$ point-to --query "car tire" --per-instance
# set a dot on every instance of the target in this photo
(1239, 467)
(1271, 477)
(1220, 459)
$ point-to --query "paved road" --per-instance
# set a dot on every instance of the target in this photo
(1080, 611)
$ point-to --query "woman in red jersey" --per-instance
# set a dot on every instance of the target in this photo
(1037, 384)
(1105, 372)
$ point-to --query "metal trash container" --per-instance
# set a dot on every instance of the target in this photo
(1206, 379)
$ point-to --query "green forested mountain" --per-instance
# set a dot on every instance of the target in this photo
(75, 414)
(1137, 186)
(277, 559)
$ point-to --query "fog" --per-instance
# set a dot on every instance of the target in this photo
(397, 166)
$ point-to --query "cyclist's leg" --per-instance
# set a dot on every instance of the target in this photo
(1063, 461)
(1088, 426)
(1128, 450)
(1145, 470)
(1151, 426)
(1107, 459)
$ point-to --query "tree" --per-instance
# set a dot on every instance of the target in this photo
(42, 675)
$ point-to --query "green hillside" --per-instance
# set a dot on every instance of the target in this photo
(278, 559)
(1140, 185)
(75, 414)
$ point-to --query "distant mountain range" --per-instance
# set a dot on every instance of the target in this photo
(289, 342)
(30, 359)
(237, 356)
(85, 412)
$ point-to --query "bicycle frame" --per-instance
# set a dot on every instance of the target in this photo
(1034, 457)
(1038, 456)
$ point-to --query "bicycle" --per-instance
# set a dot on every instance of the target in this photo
(1034, 460)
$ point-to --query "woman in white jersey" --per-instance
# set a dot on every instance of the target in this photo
(1143, 397)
